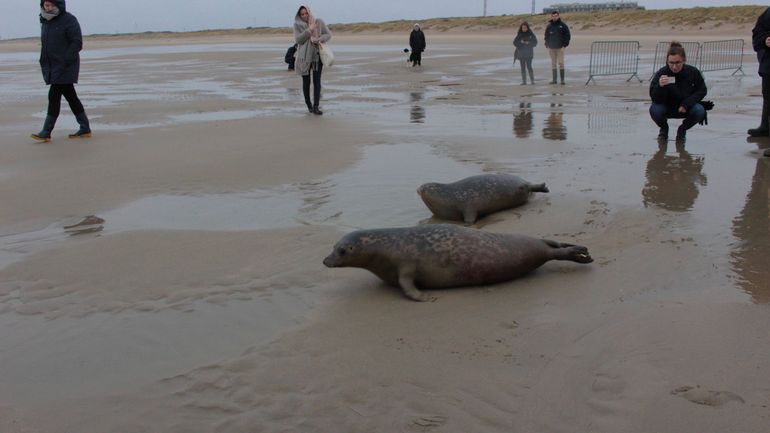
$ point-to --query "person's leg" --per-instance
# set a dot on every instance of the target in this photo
(531, 72)
(77, 109)
(694, 115)
(523, 64)
(306, 92)
(419, 58)
(560, 60)
(658, 115)
(763, 129)
(317, 88)
(554, 54)
(52, 113)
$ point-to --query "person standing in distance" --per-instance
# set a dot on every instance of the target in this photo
(309, 32)
(557, 38)
(525, 43)
(417, 44)
(61, 41)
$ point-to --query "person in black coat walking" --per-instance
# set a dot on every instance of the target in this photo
(525, 43)
(61, 42)
(760, 38)
(557, 37)
(417, 44)
(677, 90)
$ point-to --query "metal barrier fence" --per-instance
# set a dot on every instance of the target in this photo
(691, 49)
(614, 58)
(721, 56)
(706, 56)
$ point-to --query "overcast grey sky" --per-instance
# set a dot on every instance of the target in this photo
(19, 17)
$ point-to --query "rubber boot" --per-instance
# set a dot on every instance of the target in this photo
(553, 72)
(85, 128)
(45, 133)
(764, 126)
(561, 74)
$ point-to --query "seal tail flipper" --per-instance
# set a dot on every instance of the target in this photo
(574, 253)
(538, 187)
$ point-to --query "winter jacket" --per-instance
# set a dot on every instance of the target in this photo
(557, 34)
(61, 42)
(759, 33)
(307, 52)
(525, 43)
(688, 90)
(417, 41)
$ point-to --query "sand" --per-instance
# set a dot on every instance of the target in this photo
(197, 301)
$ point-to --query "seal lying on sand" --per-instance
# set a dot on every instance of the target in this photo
(446, 255)
(473, 197)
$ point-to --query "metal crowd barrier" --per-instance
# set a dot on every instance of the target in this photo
(614, 58)
(691, 49)
(721, 56)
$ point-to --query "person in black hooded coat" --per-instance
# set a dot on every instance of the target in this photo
(417, 44)
(760, 38)
(61, 41)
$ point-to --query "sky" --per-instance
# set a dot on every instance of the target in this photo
(20, 17)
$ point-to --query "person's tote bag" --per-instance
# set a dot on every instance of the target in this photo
(327, 56)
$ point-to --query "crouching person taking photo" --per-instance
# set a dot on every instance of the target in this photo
(677, 90)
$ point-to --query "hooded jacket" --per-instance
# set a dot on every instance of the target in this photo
(557, 35)
(417, 40)
(688, 90)
(61, 42)
(759, 33)
(307, 52)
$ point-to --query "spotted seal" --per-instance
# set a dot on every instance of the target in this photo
(473, 197)
(446, 255)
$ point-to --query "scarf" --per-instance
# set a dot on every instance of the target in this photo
(49, 15)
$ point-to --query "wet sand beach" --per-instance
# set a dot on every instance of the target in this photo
(196, 300)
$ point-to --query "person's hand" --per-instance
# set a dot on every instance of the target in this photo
(663, 80)
(311, 26)
(682, 110)
(767, 41)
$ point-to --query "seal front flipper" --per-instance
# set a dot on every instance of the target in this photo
(469, 215)
(406, 281)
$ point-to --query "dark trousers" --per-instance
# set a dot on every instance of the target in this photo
(526, 65)
(316, 73)
(54, 99)
(660, 113)
(766, 88)
(416, 57)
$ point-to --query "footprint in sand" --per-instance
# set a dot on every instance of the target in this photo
(427, 423)
(705, 396)
(89, 224)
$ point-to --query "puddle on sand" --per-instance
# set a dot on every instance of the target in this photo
(378, 191)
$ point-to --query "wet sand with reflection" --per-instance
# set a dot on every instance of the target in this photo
(197, 300)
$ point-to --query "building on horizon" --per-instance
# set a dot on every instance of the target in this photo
(590, 7)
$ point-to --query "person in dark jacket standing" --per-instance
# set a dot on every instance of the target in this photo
(525, 43)
(417, 44)
(557, 38)
(676, 91)
(760, 38)
(61, 42)
(289, 57)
